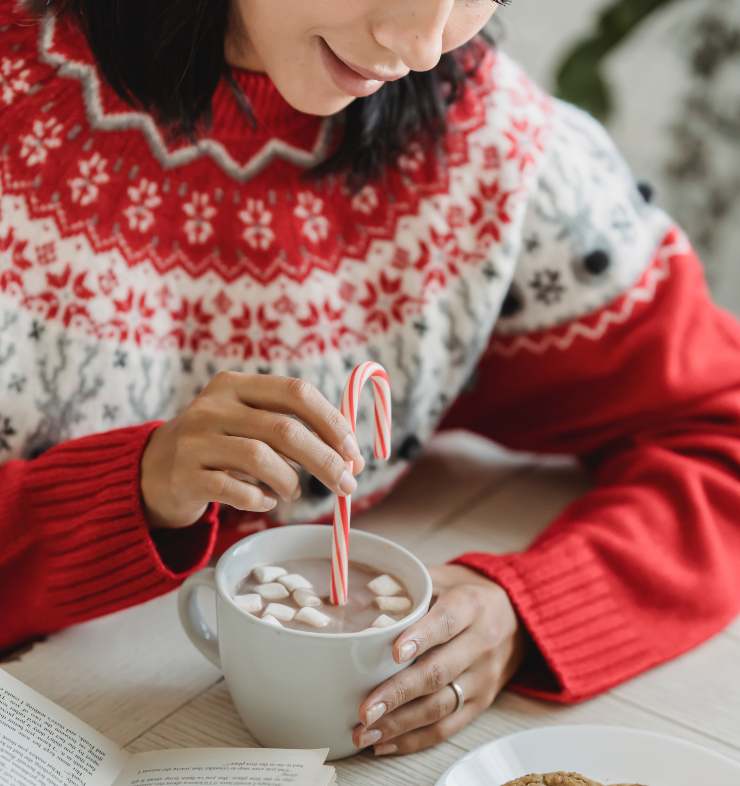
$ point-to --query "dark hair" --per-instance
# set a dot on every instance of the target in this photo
(167, 57)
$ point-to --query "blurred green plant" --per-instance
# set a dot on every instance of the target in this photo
(580, 77)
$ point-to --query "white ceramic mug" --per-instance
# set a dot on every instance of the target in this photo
(297, 689)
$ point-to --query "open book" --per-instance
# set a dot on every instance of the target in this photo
(43, 745)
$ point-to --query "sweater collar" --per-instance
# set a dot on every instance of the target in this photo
(267, 104)
(64, 46)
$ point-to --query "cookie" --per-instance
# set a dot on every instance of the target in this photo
(553, 779)
(556, 779)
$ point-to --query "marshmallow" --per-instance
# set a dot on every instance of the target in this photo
(270, 620)
(293, 582)
(385, 585)
(250, 603)
(312, 617)
(393, 604)
(280, 612)
(267, 573)
(383, 621)
(304, 597)
(272, 591)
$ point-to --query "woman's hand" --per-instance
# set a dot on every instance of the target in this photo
(471, 635)
(245, 425)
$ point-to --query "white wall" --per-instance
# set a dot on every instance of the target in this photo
(651, 76)
(537, 31)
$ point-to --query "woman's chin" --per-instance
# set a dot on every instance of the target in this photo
(320, 102)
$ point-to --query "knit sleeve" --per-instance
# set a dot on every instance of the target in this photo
(611, 349)
(74, 540)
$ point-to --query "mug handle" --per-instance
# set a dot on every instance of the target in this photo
(191, 617)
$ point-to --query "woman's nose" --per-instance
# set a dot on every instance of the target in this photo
(414, 30)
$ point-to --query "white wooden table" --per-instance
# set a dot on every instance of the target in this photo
(135, 677)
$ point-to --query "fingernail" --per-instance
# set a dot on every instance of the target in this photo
(268, 503)
(370, 737)
(297, 494)
(382, 750)
(347, 484)
(407, 651)
(375, 712)
(358, 464)
(351, 448)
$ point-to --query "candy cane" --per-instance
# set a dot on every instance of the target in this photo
(350, 401)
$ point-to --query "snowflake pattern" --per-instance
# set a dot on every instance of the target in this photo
(85, 188)
(310, 210)
(199, 211)
(17, 383)
(44, 137)
(13, 79)
(491, 211)
(6, 430)
(471, 212)
(412, 159)
(110, 412)
(144, 200)
(532, 243)
(254, 238)
(257, 219)
(526, 143)
(546, 284)
(37, 330)
(366, 200)
(382, 294)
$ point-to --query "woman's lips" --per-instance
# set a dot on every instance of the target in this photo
(371, 74)
(347, 79)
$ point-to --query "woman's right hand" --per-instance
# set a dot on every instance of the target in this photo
(245, 424)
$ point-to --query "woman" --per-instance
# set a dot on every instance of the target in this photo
(212, 210)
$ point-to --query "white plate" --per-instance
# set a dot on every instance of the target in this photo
(608, 754)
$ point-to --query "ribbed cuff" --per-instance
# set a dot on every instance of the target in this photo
(566, 601)
(100, 554)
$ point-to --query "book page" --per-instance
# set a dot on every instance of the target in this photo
(227, 767)
(43, 745)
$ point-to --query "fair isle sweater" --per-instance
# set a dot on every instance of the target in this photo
(524, 289)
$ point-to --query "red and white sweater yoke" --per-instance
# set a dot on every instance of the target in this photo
(524, 289)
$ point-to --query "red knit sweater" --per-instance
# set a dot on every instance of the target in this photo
(522, 288)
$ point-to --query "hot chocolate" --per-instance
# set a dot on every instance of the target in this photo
(295, 594)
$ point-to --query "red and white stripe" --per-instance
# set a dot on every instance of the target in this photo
(376, 374)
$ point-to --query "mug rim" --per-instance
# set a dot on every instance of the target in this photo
(418, 611)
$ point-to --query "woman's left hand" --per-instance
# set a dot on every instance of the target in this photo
(471, 635)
